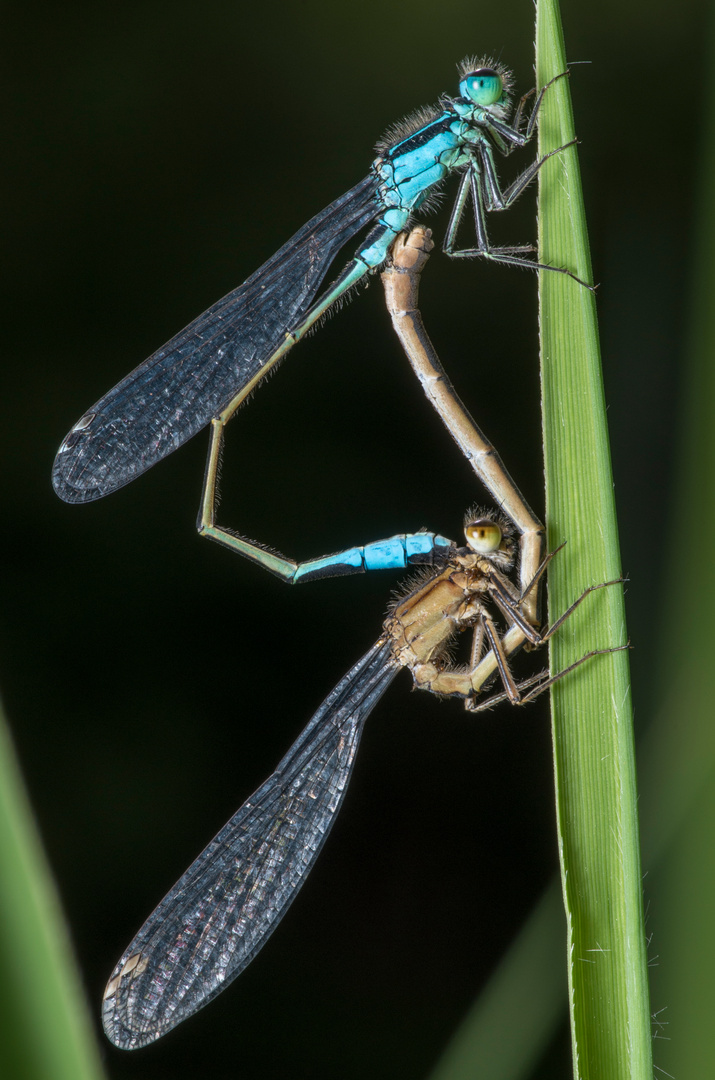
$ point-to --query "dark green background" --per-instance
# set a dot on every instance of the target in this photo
(155, 155)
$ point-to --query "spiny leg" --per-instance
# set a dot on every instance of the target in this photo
(480, 175)
(551, 630)
(455, 682)
(507, 138)
(511, 642)
(533, 117)
(288, 569)
(538, 683)
(470, 683)
(511, 134)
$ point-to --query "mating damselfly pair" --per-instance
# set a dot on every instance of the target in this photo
(219, 914)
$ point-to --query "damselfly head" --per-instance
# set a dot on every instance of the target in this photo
(483, 536)
(484, 82)
(486, 536)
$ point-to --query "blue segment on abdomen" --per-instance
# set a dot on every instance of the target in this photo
(395, 553)
(386, 554)
(424, 543)
(345, 562)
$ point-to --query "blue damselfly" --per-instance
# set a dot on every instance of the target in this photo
(205, 372)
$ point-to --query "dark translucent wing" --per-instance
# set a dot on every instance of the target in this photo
(175, 393)
(220, 913)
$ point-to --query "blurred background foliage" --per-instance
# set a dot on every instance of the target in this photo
(155, 155)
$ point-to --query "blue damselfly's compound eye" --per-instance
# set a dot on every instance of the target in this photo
(483, 87)
(483, 536)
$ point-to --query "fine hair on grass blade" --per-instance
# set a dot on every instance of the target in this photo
(592, 719)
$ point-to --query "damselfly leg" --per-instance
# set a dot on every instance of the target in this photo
(208, 369)
(221, 912)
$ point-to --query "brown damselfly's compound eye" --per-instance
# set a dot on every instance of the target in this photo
(483, 535)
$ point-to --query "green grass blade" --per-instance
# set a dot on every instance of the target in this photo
(45, 1032)
(592, 722)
